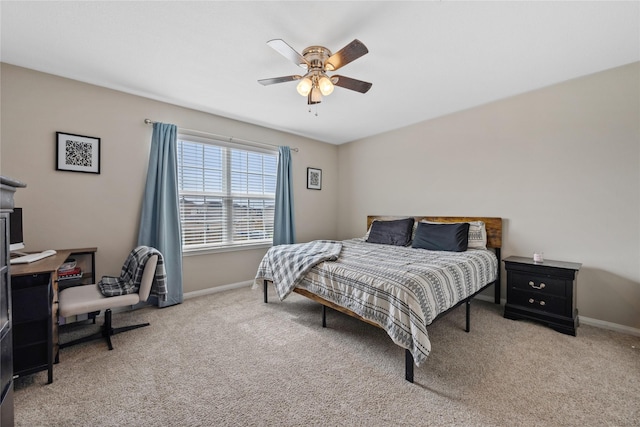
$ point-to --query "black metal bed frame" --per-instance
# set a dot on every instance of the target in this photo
(408, 357)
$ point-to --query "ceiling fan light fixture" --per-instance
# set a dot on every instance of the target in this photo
(315, 96)
(304, 86)
(318, 60)
(326, 87)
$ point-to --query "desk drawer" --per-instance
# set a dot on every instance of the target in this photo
(30, 359)
(33, 303)
(27, 333)
(30, 281)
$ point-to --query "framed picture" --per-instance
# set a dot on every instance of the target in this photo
(314, 179)
(77, 153)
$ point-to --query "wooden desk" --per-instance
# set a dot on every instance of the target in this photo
(39, 280)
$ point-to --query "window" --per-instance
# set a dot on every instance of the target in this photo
(227, 193)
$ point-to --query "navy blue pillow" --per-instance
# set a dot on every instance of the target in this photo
(442, 237)
(395, 232)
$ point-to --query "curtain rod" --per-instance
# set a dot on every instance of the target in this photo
(229, 138)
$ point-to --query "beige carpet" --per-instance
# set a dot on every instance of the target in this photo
(229, 359)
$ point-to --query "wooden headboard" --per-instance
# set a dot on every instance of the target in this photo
(493, 225)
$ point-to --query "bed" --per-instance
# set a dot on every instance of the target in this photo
(391, 284)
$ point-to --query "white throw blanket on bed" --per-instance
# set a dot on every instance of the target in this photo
(288, 264)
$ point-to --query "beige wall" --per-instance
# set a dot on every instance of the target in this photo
(561, 165)
(68, 209)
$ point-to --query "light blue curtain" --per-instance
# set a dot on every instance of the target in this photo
(160, 219)
(283, 223)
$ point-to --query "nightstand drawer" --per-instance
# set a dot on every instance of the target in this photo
(538, 301)
(538, 284)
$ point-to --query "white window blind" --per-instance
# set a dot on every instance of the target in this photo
(227, 193)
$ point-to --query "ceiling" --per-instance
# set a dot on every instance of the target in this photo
(426, 59)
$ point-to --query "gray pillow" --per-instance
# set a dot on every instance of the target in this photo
(442, 237)
(395, 232)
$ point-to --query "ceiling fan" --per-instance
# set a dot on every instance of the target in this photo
(317, 60)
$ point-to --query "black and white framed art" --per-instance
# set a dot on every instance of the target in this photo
(314, 179)
(77, 153)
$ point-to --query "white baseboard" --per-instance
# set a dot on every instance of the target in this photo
(185, 296)
(608, 325)
(585, 320)
(217, 289)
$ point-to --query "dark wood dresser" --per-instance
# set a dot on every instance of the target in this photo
(6, 335)
(543, 291)
(8, 187)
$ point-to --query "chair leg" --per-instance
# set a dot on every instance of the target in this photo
(106, 331)
(92, 337)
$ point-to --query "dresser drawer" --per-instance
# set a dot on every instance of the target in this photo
(539, 301)
(6, 362)
(538, 284)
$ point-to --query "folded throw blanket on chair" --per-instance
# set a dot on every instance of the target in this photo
(131, 275)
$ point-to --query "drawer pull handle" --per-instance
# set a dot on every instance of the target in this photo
(533, 285)
(532, 301)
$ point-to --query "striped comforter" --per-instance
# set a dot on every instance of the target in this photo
(401, 289)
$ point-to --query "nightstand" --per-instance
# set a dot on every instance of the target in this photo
(543, 292)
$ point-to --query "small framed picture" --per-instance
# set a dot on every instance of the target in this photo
(77, 153)
(314, 179)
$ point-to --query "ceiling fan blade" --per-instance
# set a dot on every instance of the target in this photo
(283, 79)
(349, 83)
(288, 52)
(350, 52)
